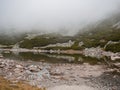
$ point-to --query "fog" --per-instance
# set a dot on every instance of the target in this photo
(67, 16)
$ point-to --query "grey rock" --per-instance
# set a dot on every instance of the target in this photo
(33, 68)
(19, 66)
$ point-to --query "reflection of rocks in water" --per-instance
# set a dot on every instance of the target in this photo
(69, 58)
(80, 59)
(35, 52)
(1, 56)
(16, 52)
(1, 50)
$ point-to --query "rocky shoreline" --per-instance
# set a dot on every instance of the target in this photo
(50, 75)
(21, 71)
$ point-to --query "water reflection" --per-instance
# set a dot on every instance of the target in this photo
(52, 58)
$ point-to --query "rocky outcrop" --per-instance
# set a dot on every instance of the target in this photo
(67, 44)
(99, 53)
(81, 44)
(93, 52)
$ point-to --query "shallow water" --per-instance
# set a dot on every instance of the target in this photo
(53, 58)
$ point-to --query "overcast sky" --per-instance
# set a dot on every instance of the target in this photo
(53, 15)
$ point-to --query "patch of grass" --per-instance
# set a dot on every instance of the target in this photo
(113, 47)
(7, 85)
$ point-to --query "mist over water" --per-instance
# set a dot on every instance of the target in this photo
(65, 16)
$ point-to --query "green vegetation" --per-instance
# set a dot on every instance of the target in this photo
(95, 37)
(101, 33)
(44, 40)
(76, 46)
(113, 47)
(99, 38)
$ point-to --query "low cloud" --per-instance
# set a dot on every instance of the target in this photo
(53, 15)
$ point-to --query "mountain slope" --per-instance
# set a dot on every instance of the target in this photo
(43, 40)
(101, 33)
(97, 34)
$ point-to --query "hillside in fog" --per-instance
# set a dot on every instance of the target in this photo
(93, 35)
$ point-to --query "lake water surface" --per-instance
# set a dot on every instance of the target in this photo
(54, 58)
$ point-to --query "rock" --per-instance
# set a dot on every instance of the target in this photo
(56, 72)
(81, 44)
(28, 72)
(33, 68)
(2, 66)
(17, 70)
(44, 73)
(19, 66)
(40, 67)
(93, 52)
(39, 75)
(117, 64)
(115, 56)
